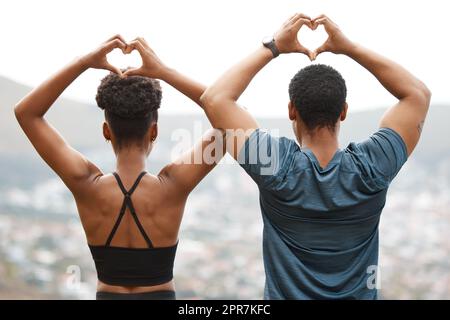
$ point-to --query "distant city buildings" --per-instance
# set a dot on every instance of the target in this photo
(42, 246)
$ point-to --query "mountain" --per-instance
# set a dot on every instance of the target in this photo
(76, 121)
(80, 124)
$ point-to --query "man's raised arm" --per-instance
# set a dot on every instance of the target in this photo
(408, 115)
(220, 100)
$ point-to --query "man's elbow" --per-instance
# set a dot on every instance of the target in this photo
(422, 95)
(427, 93)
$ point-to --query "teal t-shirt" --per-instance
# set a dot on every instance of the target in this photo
(320, 238)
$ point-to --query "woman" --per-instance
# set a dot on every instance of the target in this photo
(131, 218)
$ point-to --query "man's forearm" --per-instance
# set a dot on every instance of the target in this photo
(230, 86)
(408, 115)
(233, 83)
(396, 79)
(220, 100)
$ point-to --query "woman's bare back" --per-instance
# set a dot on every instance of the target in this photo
(158, 207)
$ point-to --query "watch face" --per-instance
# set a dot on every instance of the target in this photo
(267, 40)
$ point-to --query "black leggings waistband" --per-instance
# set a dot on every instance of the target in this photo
(155, 295)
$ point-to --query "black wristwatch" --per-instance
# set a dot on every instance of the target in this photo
(269, 43)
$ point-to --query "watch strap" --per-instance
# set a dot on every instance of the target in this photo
(271, 45)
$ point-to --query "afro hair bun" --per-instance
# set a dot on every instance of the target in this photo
(129, 98)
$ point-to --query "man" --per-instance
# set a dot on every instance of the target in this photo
(321, 206)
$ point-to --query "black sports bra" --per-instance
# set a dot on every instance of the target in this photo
(133, 266)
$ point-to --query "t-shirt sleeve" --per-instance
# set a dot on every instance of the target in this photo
(385, 153)
(266, 158)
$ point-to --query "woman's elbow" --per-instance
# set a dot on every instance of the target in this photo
(205, 98)
(24, 113)
(18, 112)
(208, 99)
(212, 99)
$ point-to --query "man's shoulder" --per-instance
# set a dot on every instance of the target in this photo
(273, 137)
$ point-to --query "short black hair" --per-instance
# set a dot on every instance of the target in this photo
(319, 93)
(131, 105)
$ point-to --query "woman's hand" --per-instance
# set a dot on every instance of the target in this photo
(286, 38)
(337, 42)
(152, 66)
(97, 59)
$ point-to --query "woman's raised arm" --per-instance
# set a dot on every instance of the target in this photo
(73, 168)
(192, 166)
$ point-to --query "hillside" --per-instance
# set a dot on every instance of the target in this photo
(81, 124)
(78, 122)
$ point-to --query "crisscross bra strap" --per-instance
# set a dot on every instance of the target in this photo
(127, 203)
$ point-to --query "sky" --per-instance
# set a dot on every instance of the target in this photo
(204, 38)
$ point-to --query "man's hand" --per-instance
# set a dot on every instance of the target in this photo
(97, 58)
(407, 117)
(336, 43)
(286, 38)
(152, 66)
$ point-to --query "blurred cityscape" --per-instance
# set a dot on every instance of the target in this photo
(41, 239)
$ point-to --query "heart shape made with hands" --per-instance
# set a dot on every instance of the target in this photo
(312, 39)
(124, 59)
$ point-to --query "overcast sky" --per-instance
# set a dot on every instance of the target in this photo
(204, 38)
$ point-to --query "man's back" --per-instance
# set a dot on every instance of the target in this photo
(320, 236)
(321, 224)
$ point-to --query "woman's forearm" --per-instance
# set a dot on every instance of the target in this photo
(190, 88)
(38, 102)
